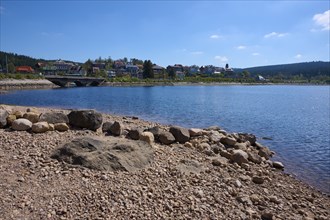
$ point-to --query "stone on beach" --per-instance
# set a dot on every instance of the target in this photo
(85, 119)
(110, 154)
(10, 119)
(134, 133)
(166, 137)
(239, 157)
(40, 127)
(21, 124)
(31, 116)
(54, 117)
(181, 134)
(278, 165)
(3, 118)
(229, 141)
(116, 128)
(147, 137)
(61, 127)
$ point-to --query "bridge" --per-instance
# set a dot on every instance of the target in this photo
(67, 81)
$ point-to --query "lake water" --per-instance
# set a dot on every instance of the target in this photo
(296, 118)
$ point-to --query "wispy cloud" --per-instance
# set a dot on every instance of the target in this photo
(275, 34)
(215, 36)
(323, 20)
(298, 56)
(197, 53)
(241, 47)
(222, 59)
(255, 54)
(2, 9)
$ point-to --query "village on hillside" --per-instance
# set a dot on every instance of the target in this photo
(122, 67)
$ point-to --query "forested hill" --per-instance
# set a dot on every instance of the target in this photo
(18, 60)
(304, 70)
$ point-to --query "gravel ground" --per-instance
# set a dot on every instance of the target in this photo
(34, 186)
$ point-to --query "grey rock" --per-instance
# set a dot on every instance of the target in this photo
(85, 119)
(255, 158)
(225, 154)
(194, 132)
(187, 167)
(109, 153)
(181, 134)
(265, 152)
(258, 179)
(213, 128)
(156, 131)
(3, 118)
(166, 137)
(267, 216)
(240, 146)
(247, 137)
(21, 124)
(219, 161)
(278, 165)
(239, 157)
(215, 136)
(116, 128)
(10, 119)
(229, 141)
(134, 133)
(54, 117)
(106, 126)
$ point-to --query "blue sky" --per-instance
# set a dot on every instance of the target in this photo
(241, 33)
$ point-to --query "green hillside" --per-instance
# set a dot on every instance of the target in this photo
(308, 70)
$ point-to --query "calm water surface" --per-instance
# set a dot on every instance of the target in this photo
(295, 117)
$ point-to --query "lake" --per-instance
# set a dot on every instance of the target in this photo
(295, 118)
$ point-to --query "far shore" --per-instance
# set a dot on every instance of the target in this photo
(14, 84)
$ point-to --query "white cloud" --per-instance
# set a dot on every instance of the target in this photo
(298, 56)
(215, 36)
(241, 47)
(221, 58)
(323, 20)
(255, 54)
(275, 34)
(196, 53)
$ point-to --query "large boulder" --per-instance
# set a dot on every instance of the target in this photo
(40, 127)
(31, 116)
(156, 131)
(239, 157)
(255, 158)
(85, 119)
(3, 118)
(106, 126)
(54, 117)
(108, 153)
(181, 134)
(195, 132)
(166, 137)
(21, 124)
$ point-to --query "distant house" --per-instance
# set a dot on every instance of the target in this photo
(132, 70)
(158, 69)
(177, 69)
(260, 78)
(24, 69)
(62, 66)
(193, 70)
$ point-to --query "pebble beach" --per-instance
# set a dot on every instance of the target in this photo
(197, 178)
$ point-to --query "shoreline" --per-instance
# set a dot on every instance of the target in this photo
(14, 84)
(218, 190)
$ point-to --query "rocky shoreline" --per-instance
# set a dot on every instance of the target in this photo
(81, 164)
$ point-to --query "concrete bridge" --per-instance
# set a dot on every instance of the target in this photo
(67, 81)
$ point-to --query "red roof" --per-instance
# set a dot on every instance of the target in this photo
(27, 69)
